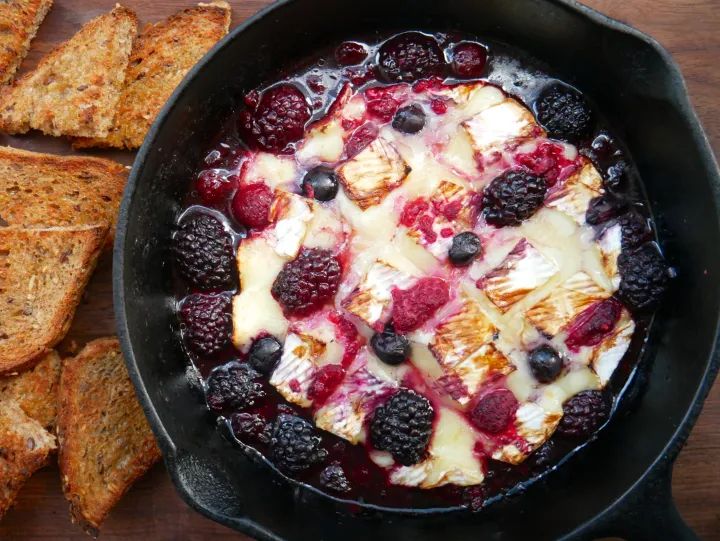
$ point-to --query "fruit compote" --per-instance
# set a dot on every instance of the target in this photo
(416, 272)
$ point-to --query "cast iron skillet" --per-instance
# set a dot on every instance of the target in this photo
(620, 484)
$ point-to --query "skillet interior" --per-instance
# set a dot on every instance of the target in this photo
(643, 97)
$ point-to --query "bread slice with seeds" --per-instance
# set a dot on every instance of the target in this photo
(43, 273)
(19, 22)
(105, 440)
(35, 390)
(24, 448)
(75, 89)
(163, 53)
(45, 190)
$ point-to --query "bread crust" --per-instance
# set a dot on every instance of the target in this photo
(162, 55)
(43, 273)
(74, 90)
(47, 190)
(19, 21)
(25, 445)
(104, 439)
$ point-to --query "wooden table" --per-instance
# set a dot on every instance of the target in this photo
(690, 29)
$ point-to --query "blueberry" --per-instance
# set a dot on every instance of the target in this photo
(321, 183)
(390, 347)
(545, 363)
(265, 354)
(410, 119)
(465, 247)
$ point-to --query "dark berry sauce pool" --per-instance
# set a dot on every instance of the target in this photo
(221, 215)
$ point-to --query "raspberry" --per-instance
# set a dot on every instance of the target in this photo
(565, 113)
(593, 324)
(206, 322)
(644, 277)
(360, 138)
(583, 414)
(295, 444)
(250, 427)
(325, 382)
(513, 197)
(403, 426)
(251, 205)
(409, 57)
(469, 59)
(232, 386)
(278, 120)
(333, 477)
(413, 307)
(214, 186)
(548, 160)
(350, 53)
(494, 411)
(203, 251)
(307, 282)
(382, 108)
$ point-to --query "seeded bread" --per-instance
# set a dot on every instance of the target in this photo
(35, 390)
(105, 441)
(75, 89)
(19, 22)
(162, 55)
(45, 190)
(25, 446)
(43, 273)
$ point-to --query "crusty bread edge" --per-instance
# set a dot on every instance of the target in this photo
(97, 347)
(72, 298)
(8, 71)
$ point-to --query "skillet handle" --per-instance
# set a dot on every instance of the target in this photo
(647, 513)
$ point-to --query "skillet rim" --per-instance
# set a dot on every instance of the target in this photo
(662, 463)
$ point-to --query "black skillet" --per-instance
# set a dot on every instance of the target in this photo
(620, 484)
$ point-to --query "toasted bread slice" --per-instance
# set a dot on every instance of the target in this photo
(25, 448)
(43, 273)
(75, 89)
(162, 55)
(35, 390)
(105, 441)
(19, 22)
(45, 190)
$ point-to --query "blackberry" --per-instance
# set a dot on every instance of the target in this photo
(333, 478)
(565, 113)
(233, 385)
(203, 251)
(307, 282)
(513, 197)
(644, 277)
(635, 230)
(583, 414)
(265, 353)
(409, 57)
(295, 444)
(403, 426)
(206, 322)
(250, 427)
(469, 59)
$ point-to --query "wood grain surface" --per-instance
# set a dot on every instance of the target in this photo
(689, 29)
